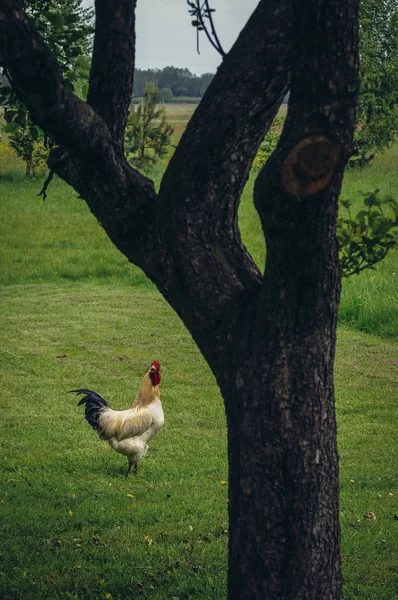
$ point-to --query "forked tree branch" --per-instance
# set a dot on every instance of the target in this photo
(112, 67)
(225, 132)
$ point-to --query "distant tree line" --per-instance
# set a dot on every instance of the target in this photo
(172, 82)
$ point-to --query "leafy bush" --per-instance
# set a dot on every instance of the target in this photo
(28, 143)
(366, 238)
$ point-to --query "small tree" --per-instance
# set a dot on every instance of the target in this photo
(29, 146)
(147, 134)
(166, 95)
(377, 113)
(67, 28)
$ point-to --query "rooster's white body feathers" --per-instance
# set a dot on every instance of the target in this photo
(128, 431)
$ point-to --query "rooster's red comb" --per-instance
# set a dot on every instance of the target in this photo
(156, 364)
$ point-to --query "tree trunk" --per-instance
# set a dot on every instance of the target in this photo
(284, 536)
(283, 497)
(28, 166)
(270, 340)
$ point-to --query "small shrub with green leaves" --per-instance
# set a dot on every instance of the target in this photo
(148, 134)
(28, 143)
(366, 238)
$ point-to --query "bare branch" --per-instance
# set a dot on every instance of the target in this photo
(112, 67)
(43, 191)
(201, 12)
(209, 15)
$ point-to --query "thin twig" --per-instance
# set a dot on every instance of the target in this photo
(201, 12)
(47, 182)
(213, 30)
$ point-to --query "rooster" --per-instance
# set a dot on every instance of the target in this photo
(128, 431)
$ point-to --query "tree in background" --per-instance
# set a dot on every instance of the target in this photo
(377, 115)
(148, 133)
(181, 82)
(166, 95)
(67, 28)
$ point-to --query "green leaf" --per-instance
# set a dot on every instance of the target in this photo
(11, 127)
(345, 203)
(34, 132)
(70, 19)
(76, 51)
(369, 200)
(55, 19)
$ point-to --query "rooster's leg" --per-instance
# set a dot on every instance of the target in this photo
(135, 468)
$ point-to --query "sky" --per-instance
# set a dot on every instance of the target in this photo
(165, 36)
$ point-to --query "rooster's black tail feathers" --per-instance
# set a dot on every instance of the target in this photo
(95, 404)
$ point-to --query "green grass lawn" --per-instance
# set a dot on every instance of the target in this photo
(74, 526)
(75, 313)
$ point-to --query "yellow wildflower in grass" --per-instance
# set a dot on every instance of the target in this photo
(130, 496)
(70, 513)
(108, 596)
(6, 149)
(148, 540)
(223, 483)
(352, 480)
(8, 159)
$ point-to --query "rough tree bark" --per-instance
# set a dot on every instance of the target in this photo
(269, 339)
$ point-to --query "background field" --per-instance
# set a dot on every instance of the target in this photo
(76, 313)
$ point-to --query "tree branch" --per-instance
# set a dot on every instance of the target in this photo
(122, 199)
(112, 67)
(238, 107)
(316, 139)
(37, 80)
(297, 190)
(200, 197)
